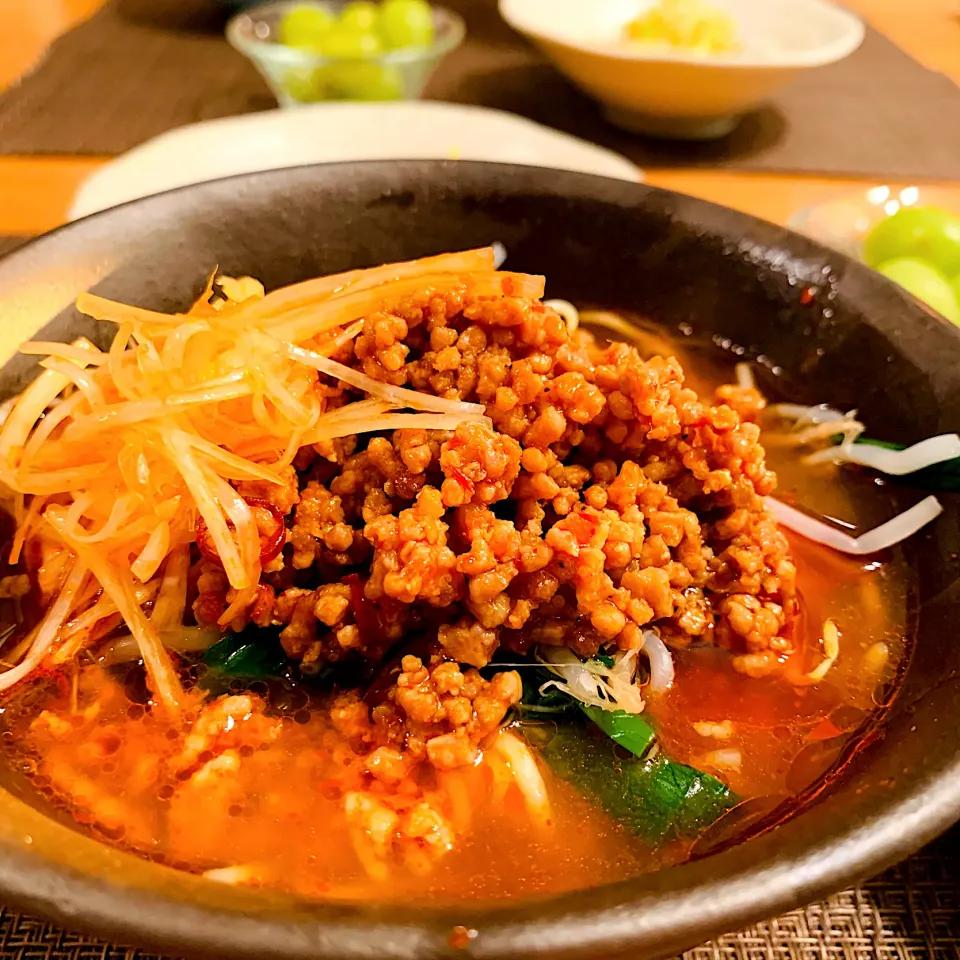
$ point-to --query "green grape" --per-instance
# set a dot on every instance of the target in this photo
(305, 26)
(343, 44)
(364, 81)
(925, 282)
(920, 233)
(305, 84)
(406, 23)
(360, 16)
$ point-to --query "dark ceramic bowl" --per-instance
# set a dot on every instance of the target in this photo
(860, 343)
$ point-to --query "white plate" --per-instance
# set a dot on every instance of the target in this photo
(325, 132)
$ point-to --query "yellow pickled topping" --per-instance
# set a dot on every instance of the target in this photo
(688, 25)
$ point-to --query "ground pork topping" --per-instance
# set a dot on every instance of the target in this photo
(480, 465)
(437, 714)
(602, 496)
(411, 559)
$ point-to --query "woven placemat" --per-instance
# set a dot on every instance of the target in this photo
(911, 912)
(140, 67)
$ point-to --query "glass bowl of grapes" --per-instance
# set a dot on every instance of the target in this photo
(314, 50)
(909, 234)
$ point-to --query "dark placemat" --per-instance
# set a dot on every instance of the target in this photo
(134, 70)
(911, 912)
(141, 67)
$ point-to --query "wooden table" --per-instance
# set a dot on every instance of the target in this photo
(35, 191)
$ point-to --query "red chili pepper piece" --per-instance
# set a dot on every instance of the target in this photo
(271, 542)
(807, 295)
(461, 936)
(826, 729)
(582, 525)
(368, 623)
(465, 482)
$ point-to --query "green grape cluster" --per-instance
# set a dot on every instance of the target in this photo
(357, 36)
(919, 248)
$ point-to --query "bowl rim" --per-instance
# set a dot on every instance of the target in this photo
(514, 12)
(450, 33)
(664, 911)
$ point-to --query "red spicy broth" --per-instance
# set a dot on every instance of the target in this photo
(261, 792)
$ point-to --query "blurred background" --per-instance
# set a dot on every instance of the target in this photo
(798, 101)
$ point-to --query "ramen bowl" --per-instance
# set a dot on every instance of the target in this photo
(822, 329)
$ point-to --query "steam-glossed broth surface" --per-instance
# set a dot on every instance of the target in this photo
(261, 796)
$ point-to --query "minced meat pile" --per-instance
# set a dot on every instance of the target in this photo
(601, 498)
(604, 497)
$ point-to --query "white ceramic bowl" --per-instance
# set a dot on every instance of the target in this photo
(663, 92)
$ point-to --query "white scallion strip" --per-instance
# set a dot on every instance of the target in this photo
(6, 408)
(593, 683)
(820, 413)
(661, 662)
(813, 424)
(197, 480)
(849, 427)
(319, 291)
(27, 410)
(49, 629)
(241, 601)
(898, 463)
(387, 421)
(152, 555)
(499, 254)
(399, 396)
(831, 650)
(566, 310)
(118, 585)
(125, 648)
(880, 538)
(171, 600)
(827, 455)
(77, 632)
(65, 351)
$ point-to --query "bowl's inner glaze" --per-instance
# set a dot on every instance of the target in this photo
(859, 343)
